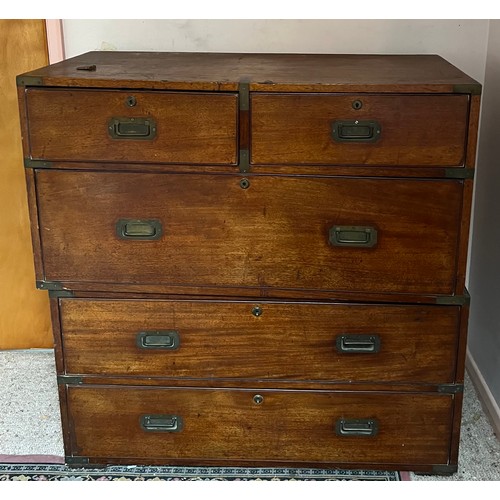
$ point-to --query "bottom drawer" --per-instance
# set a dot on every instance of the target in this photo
(196, 425)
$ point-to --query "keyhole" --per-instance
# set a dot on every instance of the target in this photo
(131, 101)
(258, 399)
(257, 311)
(357, 104)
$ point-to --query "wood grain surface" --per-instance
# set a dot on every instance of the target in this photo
(293, 341)
(244, 268)
(274, 234)
(24, 311)
(264, 72)
(415, 130)
(286, 426)
(190, 127)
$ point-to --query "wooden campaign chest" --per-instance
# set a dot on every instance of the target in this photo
(254, 259)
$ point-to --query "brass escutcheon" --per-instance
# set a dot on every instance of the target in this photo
(357, 104)
(130, 101)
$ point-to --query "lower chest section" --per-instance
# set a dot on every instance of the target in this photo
(212, 381)
(266, 426)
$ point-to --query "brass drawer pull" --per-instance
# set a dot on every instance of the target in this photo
(364, 427)
(161, 423)
(357, 343)
(132, 128)
(161, 339)
(356, 131)
(133, 229)
(353, 236)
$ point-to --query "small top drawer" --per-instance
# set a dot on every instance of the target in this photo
(132, 126)
(359, 129)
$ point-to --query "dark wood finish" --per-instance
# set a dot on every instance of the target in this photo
(222, 462)
(473, 130)
(57, 335)
(286, 426)
(463, 241)
(131, 291)
(191, 127)
(460, 376)
(288, 342)
(66, 423)
(23, 119)
(34, 226)
(455, 429)
(264, 72)
(415, 129)
(226, 248)
(462, 345)
(245, 383)
(273, 234)
(432, 172)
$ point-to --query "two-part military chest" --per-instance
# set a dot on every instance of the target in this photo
(254, 259)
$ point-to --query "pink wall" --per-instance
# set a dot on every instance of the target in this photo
(55, 41)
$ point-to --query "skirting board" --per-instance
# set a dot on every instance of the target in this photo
(485, 396)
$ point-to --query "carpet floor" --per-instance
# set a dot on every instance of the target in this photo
(43, 472)
(30, 423)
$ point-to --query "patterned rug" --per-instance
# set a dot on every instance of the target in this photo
(46, 472)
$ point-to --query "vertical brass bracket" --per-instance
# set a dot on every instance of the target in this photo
(244, 96)
(244, 164)
(244, 109)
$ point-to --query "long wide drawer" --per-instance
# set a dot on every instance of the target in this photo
(132, 126)
(359, 129)
(341, 234)
(269, 341)
(265, 426)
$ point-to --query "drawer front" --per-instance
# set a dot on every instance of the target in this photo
(280, 232)
(359, 129)
(209, 339)
(269, 425)
(132, 126)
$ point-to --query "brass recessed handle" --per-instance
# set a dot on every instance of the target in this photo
(161, 423)
(160, 339)
(353, 236)
(356, 130)
(361, 427)
(132, 128)
(139, 229)
(357, 343)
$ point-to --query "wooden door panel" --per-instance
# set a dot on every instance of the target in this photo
(24, 312)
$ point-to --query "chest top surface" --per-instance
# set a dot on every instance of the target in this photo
(263, 72)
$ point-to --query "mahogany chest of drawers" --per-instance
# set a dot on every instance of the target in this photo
(254, 259)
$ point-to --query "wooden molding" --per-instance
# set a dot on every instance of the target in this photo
(485, 396)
